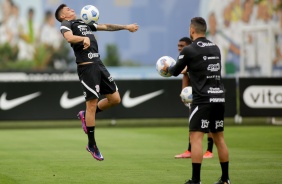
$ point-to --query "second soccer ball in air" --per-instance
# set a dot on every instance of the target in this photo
(160, 64)
(186, 94)
(89, 14)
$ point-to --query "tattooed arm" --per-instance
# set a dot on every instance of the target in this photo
(116, 27)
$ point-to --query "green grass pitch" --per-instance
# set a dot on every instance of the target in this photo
(142, 155)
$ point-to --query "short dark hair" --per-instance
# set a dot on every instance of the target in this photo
(187, 40)
(58, 12)
(199, 24)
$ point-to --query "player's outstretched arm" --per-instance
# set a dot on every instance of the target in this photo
(116, 27)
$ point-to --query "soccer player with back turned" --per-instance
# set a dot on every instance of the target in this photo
(203, 60)
(185, 41)
(93, 75)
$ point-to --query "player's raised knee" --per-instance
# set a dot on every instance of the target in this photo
(115, 101)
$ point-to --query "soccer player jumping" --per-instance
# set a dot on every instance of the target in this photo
(93, 75)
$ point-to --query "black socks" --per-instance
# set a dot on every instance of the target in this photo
(196, 172)
(210, 144)
(224, 169)
(91, 136)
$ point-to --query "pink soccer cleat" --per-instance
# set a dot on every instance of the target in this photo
(81, 116)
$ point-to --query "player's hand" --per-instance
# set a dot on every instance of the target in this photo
(164, 70)
(186, 104)
(181, 99)
(86, 43)
(132, 27)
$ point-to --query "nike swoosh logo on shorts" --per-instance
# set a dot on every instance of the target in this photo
(129, 102)
(10, 104)
(68, 103)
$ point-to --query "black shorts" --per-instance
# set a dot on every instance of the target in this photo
(95, 80)
(207, 117)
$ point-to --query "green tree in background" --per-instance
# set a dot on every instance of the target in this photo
(112, 56)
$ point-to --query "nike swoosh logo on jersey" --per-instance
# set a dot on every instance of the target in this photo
(129, 102)
(68, 103)
(10, 104)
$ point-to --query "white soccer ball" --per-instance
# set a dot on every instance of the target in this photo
(89, 14)
(160, 64)
(186, 94)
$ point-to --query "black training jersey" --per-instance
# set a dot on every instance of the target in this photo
(79, 28)
(202, 59)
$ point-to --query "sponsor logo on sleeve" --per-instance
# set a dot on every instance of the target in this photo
(181, 57)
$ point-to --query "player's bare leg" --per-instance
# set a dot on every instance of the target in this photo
(221, 146)
(222, 154)
(87, 117)
(110, 101)
(196, 139)
(90, 113)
